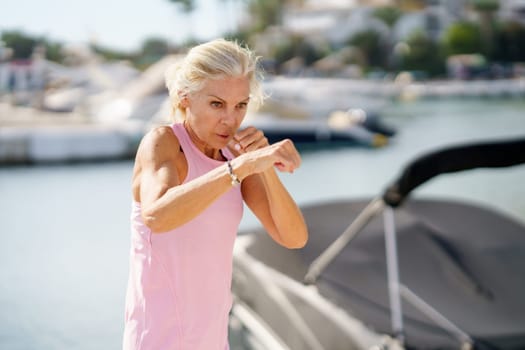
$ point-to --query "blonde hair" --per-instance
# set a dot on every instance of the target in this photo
(216, 59)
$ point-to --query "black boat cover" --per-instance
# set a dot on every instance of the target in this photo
(465, 261)
(490, 154)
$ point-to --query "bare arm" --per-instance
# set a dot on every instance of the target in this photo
(161, 194)
(160, 168)
(267, 197)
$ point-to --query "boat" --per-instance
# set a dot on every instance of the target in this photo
(310, 114)
(246, 331)
(316, 112)
(396, 272)
(341, 128)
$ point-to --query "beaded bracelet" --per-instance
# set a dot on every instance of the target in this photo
(235, 179)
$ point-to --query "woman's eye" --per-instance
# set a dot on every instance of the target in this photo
(216, 104)
(242, 105)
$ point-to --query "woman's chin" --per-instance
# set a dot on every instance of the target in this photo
(221, 141)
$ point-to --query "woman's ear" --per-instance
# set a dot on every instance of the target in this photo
(184, 102)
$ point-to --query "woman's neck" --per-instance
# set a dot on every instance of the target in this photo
(202, 145)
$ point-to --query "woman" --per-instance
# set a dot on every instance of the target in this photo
(189, 183)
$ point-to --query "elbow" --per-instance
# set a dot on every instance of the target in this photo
(296, 245)
(152, 221)
(298, 241)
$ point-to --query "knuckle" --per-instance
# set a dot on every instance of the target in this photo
(287, 142)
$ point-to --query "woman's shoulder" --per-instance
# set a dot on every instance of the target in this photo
(163, 133)
(160, 140)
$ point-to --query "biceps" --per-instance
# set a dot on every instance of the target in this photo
(155, 183)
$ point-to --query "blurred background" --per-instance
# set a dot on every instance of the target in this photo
(362, 86)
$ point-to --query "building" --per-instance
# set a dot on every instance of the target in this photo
(512, 10)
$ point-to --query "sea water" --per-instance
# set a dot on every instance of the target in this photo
(65, 232)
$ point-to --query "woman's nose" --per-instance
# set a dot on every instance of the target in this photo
(228, 118)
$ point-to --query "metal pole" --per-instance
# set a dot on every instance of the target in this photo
(437, 317)
(396, 313)
(321, 262)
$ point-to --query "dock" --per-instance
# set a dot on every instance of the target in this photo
(29, 136)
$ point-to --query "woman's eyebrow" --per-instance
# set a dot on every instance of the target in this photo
(216, 97)
(222, 100)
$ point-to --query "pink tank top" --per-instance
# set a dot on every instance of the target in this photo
(178, 294)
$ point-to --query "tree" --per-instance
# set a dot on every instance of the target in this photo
(156, 47)
(296, 46)
(485, 5)
(423, 54)
(510, 42)
(110, 54)
(54, 51)
(462, 38)
(21, 44)
(265, 13)
(153, 49)
(388, 14)
(486, 10)
(369, 42)
(186, 5)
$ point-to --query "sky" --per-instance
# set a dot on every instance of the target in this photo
(118, 24)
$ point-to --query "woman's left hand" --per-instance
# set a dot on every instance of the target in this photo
(252, 139)
(246, 140)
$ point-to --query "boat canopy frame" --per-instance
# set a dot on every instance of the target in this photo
(491, 154)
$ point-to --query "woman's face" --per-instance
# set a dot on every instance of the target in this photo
(216, 111)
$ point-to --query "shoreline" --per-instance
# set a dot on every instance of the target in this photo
(403, 86)
(31, 136)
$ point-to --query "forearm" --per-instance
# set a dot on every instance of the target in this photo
(184, 202)
(286, 215)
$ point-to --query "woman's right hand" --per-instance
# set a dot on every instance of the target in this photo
(283, 155)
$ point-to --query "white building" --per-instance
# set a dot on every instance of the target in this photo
(512, 10)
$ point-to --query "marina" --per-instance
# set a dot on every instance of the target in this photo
(299, 108)
(409, 119)
(61, 263)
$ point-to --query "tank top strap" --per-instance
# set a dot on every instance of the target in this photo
(227, 153)
(182, 136)
(189, 148)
